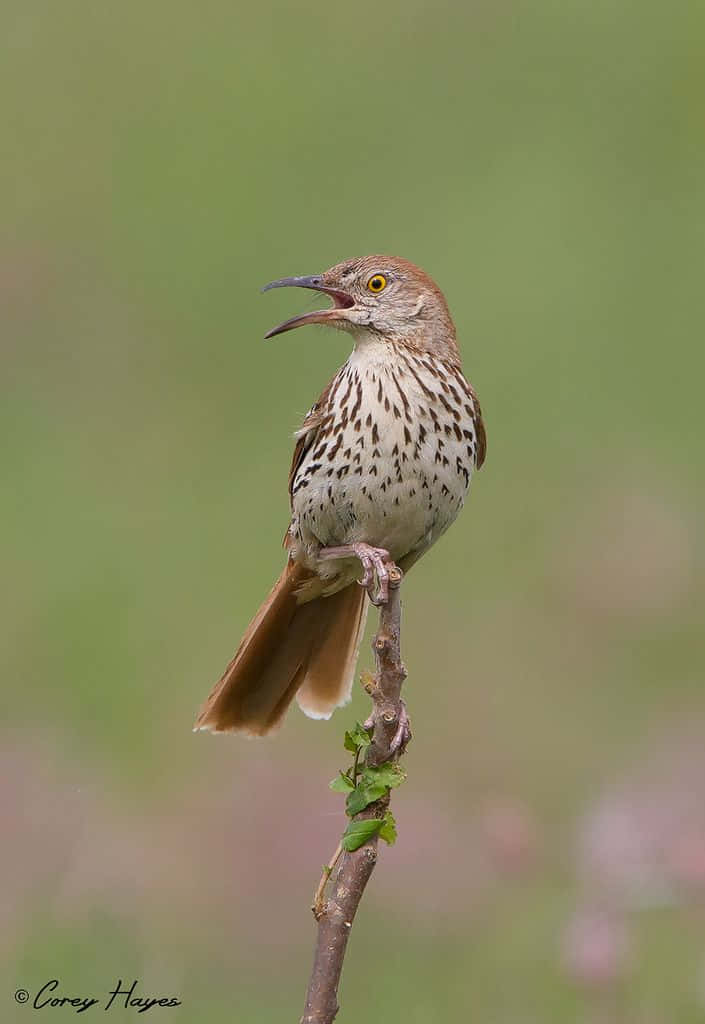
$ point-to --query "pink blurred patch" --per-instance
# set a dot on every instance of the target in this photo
(596, 949)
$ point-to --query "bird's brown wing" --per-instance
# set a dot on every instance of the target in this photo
(317, 416)
(480, 432)
(475, 412)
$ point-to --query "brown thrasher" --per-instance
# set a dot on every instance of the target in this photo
(381, 468)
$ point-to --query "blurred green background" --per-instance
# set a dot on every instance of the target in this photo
(545, 163)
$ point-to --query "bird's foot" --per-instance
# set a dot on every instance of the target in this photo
(403, 733)
(375, 563)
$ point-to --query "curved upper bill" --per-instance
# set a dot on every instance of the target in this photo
(341, 300)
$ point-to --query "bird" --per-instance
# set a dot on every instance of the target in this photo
(381, 468)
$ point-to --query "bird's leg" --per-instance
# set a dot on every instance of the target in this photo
(375, 564)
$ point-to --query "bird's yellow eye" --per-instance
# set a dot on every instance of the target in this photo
(377, 283)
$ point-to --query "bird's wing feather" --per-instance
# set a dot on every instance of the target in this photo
(308, 432)
(480, 433)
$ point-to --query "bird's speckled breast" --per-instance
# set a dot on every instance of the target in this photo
(390, 460)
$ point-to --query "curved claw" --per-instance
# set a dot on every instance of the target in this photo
(403, 733)
(375, 567)
(374, 563)
(368, 577)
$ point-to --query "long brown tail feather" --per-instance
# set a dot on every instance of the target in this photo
(289, 646)
(331, 668)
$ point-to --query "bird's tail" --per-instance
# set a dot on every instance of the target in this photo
(292, 647)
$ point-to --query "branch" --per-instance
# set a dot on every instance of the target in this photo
(390, 735)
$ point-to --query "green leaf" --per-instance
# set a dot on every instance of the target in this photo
(390, 774)
(388, 831)
(341, 783)
(358, 832)
(357, 738)
(362, 797)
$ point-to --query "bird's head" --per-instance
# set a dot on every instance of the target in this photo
(378, 296)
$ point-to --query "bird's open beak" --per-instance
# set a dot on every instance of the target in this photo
(341, 300)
